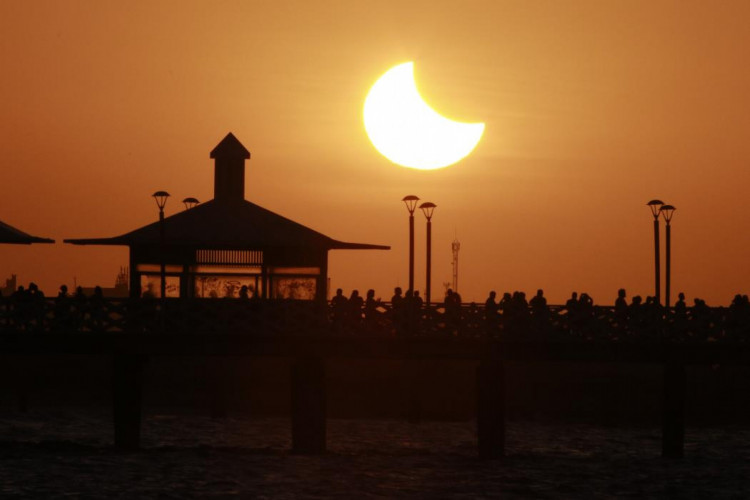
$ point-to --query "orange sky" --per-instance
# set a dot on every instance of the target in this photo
(591, 110)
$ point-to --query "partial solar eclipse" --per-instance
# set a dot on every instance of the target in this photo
(407, 131)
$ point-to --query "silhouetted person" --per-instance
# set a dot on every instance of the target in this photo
(491, 313)
(414, 308)
(398, 311)
(539, 310)
(244, 293)
(621, 306)
(700, 316)
(452, 306)
(635, 312)
(338, 307)
(62, 307)
(491, 307)
(80, 307)
(417, 302)
(149, 293)
(355, 306)
(516, 313)
(20, 302)
(371, 306)
(680, 308)
(538, 304)
(397, 299)
(37, 305)
(96, 308)
(586, 304)
(571, 305)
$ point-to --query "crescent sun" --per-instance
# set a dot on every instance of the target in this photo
(407, 131)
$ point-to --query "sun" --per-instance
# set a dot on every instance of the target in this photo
(407, 131)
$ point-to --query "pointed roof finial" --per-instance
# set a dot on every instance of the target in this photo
(230, 147)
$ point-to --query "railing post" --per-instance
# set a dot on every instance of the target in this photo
(673, 423)
(491, 407)
(308, 406)
(127, 393)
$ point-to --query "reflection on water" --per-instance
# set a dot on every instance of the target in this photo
(69, 453)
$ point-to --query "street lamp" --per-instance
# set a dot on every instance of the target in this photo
(411, 205)
(428, 208)
(161, 201)
(667, 211)
(655, 206)
(190, 202)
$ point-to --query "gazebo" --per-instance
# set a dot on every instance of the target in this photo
(9, 234)
(215, 248)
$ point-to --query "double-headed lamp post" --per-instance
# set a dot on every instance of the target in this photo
(667, 211)
(428, 209)
(411, 205)
(190, 202)
(655, 206)
(161, 201)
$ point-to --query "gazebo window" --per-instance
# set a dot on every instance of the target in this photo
(298, 288)
(220, 286)
(299, 283)
(219, 281)
(151, 285)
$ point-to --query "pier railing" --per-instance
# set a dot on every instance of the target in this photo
(305, 318)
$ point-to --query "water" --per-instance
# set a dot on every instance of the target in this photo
(56, 454)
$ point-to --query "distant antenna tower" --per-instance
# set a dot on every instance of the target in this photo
(455, 246)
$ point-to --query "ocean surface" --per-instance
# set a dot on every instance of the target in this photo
(69, 454)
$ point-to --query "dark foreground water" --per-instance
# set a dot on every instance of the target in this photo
(47, 454)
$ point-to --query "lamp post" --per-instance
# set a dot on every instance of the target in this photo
(161, 200)
(655, 205)
(411, 205)
(190, 202)
(428, 208)
(667, 211)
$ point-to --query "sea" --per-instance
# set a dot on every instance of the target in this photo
(69, 453)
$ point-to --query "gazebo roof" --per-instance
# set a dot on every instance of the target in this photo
(9, 234)
(228, 221)
(215, 224)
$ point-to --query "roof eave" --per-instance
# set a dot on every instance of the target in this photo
(29, 241)
(96, 241)
(343, 245)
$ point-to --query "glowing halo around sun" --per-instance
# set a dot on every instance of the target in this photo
(407, 131)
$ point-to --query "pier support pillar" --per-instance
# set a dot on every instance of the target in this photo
(673, 423)
(491, 408)
(413, 397)
(308, 406)
(128, 396)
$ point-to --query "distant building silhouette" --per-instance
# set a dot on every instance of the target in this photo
(216, 248)
(120, 290)
(11, 285)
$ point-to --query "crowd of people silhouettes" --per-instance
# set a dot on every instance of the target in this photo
(405, 313)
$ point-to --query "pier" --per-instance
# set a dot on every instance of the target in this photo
(131, 330)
